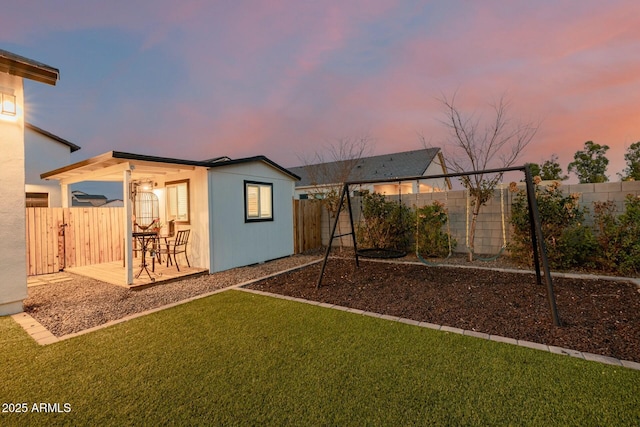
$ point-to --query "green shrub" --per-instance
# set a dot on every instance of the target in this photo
(568, 242)
(618, 236)
(606, 225)
(384, 224)
(432, 240)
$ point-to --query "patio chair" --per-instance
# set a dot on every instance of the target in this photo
(177, 246)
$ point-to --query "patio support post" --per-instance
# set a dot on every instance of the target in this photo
(128, 227)
(65, 195)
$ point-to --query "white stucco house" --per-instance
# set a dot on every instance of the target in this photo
(316, 178)
(44, 151)
(239, 211)
(13, 264)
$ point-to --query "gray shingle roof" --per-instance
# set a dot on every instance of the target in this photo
(407, 163)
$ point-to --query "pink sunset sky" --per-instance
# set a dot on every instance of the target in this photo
(201, 79)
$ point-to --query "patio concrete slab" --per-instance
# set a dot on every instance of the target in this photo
(114, 273)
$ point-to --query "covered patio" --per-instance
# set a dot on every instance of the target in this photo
(114, 273)
(159, 179)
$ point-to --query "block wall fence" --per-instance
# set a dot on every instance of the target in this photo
(489, 237)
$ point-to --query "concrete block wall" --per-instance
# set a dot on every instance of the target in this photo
(489, 237)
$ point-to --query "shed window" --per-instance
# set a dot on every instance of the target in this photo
(258, 201)
(178, 201)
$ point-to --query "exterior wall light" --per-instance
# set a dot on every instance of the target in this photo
(8, 104)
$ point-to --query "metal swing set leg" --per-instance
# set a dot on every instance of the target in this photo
(344, 193)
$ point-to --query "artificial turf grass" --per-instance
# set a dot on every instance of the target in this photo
(239, 358)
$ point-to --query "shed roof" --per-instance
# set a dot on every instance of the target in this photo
(28, 68)
(109, 167)
(35, 128)
(254, 159)
(392, 165)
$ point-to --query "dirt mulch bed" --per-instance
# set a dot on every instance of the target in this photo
(598, 316)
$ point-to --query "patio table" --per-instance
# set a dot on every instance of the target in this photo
(146, 238)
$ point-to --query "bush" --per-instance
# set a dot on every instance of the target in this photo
(618, 236)
(431, 239)
(384, 224)
(568, 242)
(606, 225)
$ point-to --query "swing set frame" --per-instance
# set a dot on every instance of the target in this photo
(540, 259)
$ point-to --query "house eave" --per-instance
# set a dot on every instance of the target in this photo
(27, 68)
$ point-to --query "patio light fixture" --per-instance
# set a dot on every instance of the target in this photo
(8, 104)
(146, 186)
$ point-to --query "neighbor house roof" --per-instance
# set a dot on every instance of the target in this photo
(406, 163)
(109, 167)
(28, 68)
(71, 145)
(80, 198)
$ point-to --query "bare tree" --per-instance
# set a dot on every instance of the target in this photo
(336, 164)
(475, 145)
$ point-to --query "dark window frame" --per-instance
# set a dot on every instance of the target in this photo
(249, 219)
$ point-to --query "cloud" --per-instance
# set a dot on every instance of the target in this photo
(197, 79)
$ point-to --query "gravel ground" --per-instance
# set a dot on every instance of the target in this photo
(82, 303)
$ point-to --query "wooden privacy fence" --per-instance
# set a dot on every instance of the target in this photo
(72, 237)
(307, 233)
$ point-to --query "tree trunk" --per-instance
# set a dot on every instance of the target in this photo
(472, 228)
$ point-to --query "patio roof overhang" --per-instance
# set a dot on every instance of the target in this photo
(111, 165)
(116, 166)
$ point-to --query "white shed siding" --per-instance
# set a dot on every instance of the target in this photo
(13, 262)
(234, 242)
(198, 249)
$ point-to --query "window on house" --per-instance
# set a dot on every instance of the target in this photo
(37, 200)
(178, 201)
(258, 201)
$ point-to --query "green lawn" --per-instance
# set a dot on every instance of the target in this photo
(240, 359)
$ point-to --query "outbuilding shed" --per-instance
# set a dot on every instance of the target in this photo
(238, 211)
